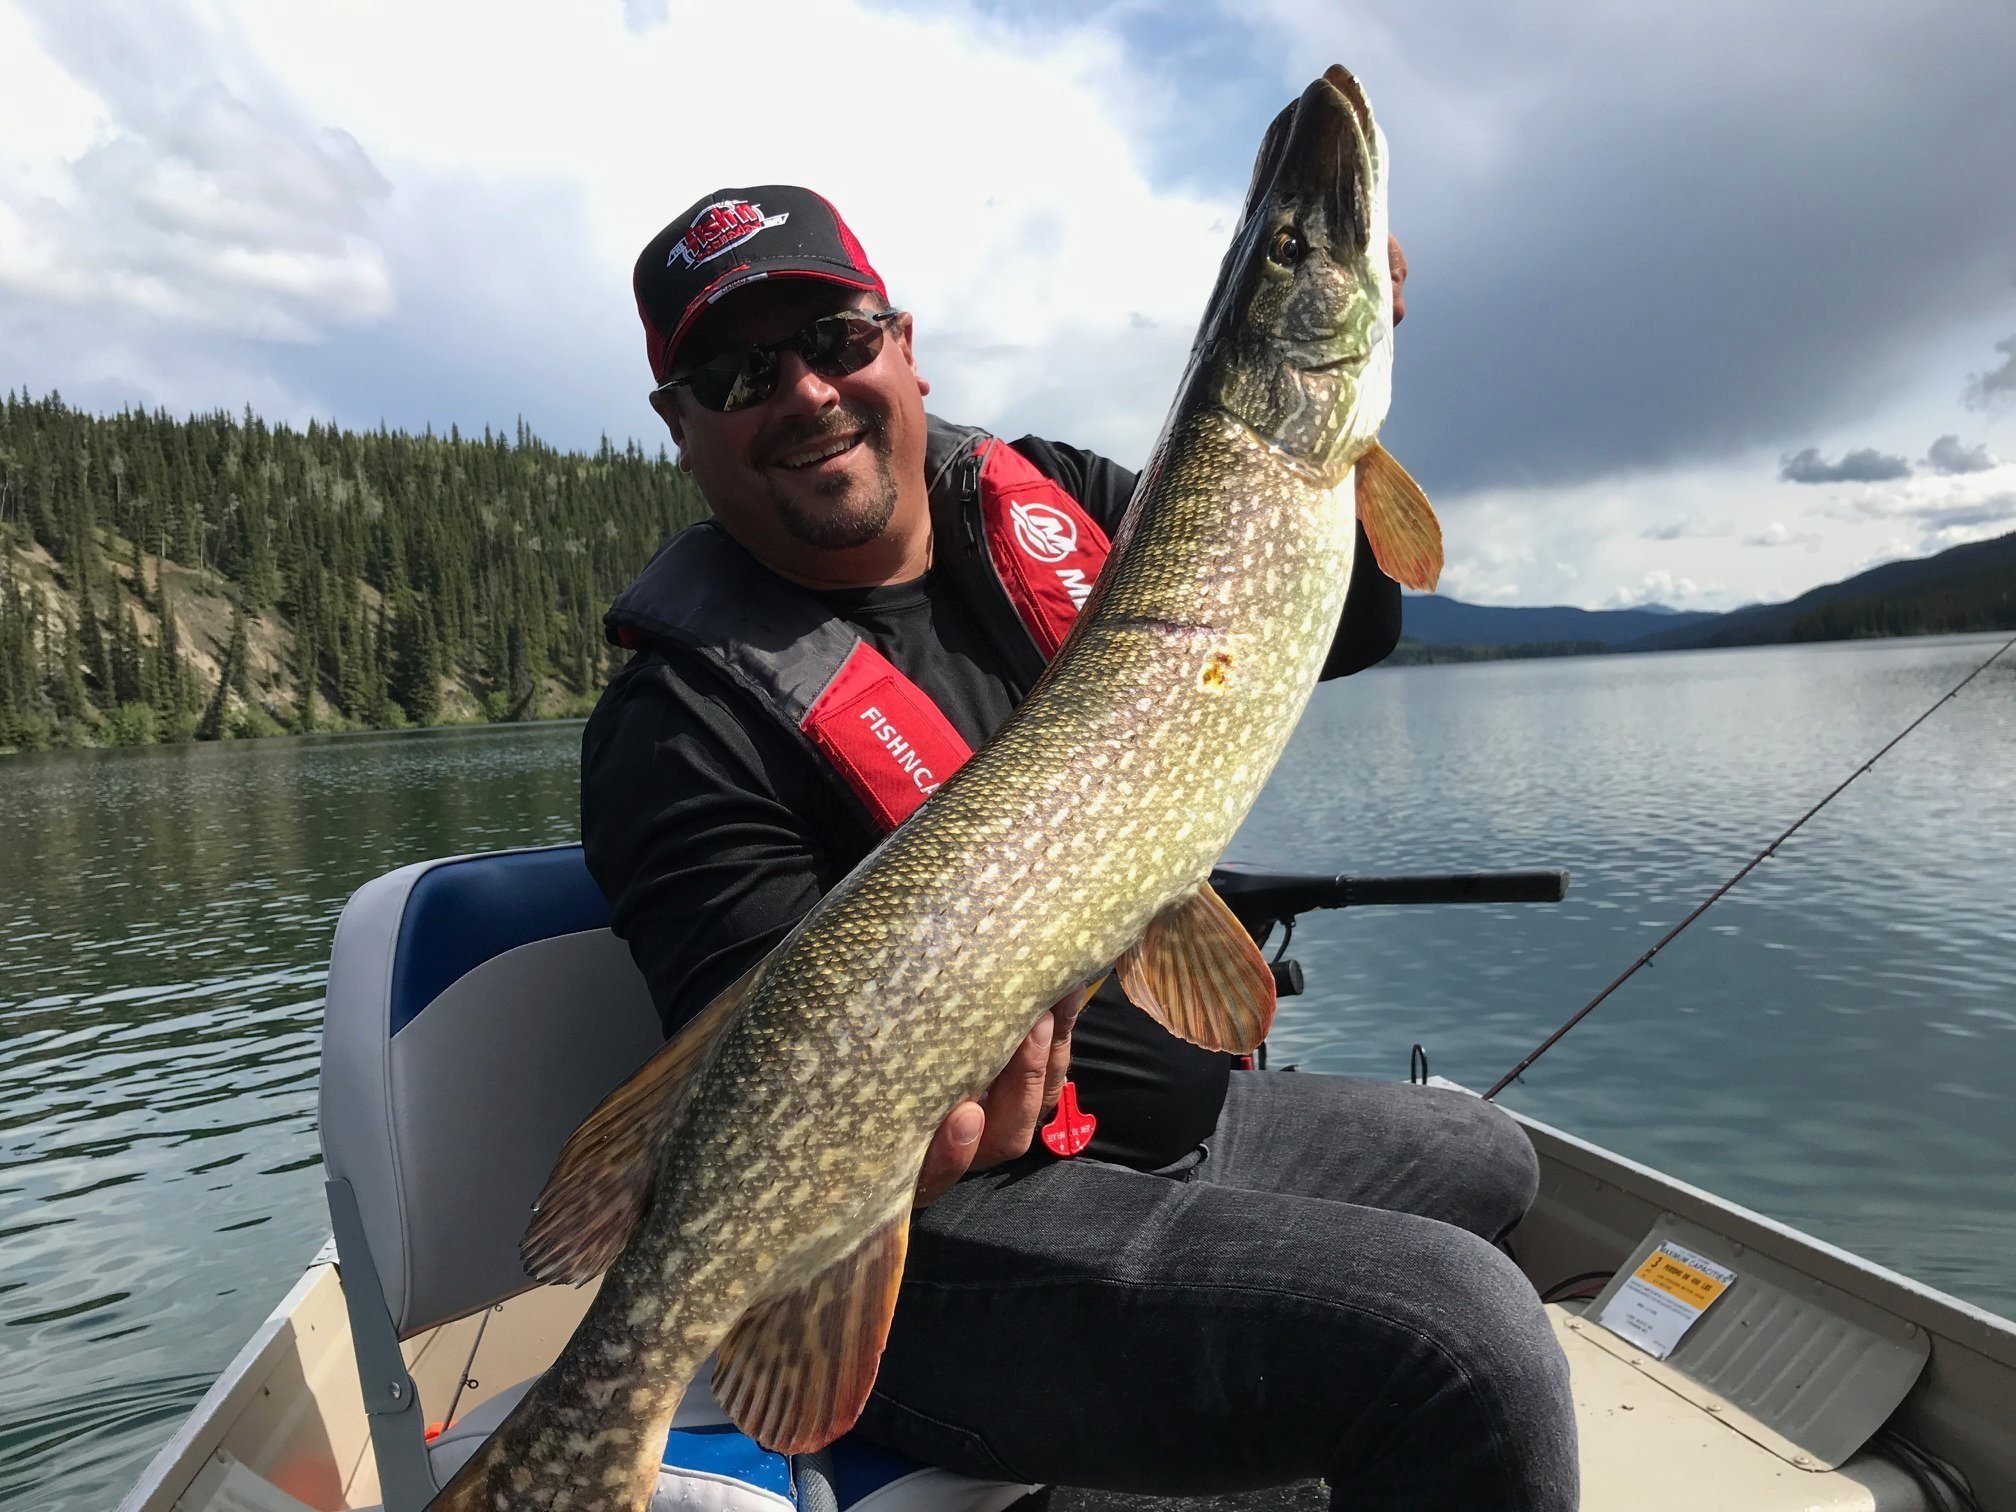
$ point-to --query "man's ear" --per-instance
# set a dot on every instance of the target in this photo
(667, 406)
(903, 338)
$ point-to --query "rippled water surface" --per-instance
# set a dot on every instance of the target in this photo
(1831, 1044)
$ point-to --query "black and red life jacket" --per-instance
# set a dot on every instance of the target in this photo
(1024, 552)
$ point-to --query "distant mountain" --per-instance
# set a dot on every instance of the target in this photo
(1437, 621)
(1963, 588)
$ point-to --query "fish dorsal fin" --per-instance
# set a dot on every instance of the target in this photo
(795, 1372)
(1199, 975)
(601, 1184)
(1399, 521)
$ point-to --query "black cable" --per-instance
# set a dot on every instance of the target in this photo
(1940, 1483)
(1573, 1281)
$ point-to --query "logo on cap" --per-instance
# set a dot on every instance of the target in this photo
(1047, 534)
(723, 224)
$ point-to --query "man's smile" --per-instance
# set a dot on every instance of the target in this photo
(821, 450)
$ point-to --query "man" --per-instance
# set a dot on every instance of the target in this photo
(1207, 1279)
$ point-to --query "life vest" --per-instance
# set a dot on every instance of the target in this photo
(1024, 552)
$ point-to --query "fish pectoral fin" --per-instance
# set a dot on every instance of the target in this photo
(601, 1184)
(796, 1371)
(1399, 521)
(1199, 975)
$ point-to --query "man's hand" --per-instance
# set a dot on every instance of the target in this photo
(1001, 1124)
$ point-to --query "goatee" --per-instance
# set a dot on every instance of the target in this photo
(845, 511)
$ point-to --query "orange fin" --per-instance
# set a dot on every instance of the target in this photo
(1200, 976)
(601, 1184)
(796, 1371)
(1399, 521)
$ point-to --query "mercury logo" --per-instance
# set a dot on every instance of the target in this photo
(1047, 534)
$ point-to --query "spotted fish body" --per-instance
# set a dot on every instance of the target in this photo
(762, 1168)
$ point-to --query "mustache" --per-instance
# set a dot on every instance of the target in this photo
(797, 432)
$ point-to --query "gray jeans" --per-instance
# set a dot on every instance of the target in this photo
(1315, 1292)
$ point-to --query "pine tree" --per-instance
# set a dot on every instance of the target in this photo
(304, 681)
(128, 658)
(233, 677)
(66, 678)
(171, 689)
(416, 662)
(91, 640)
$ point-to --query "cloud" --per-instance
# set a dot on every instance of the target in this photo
(1630, 249)
(1986, 389)
(1865, 465)
(1990, 511)
(206, 198)
(1658, 587)
(1948, 457)
(646, 15)
(1683, 530)
(1775, 534)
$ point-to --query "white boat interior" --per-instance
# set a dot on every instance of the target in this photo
(1720, 1360)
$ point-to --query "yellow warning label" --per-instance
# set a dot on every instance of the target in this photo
(1679, 1280)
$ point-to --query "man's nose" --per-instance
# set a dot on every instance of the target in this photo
(800, 389)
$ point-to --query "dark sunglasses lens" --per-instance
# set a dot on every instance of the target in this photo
(841, 344)
(735, 380)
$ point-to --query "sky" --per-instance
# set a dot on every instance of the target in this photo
(1709, 302)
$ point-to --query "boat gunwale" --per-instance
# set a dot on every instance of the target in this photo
(176, 1464)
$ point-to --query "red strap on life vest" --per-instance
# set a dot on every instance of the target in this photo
(884, 735)
(1047, 550)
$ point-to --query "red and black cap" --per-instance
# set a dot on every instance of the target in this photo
(733, 237)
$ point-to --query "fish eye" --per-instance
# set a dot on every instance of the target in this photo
(1287, 248)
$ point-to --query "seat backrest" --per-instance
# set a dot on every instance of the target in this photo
(478, 1009)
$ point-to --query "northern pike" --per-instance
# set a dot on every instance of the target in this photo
(749, 1191)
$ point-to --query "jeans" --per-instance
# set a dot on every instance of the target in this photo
(1314, 1292)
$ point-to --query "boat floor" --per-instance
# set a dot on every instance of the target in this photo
(1653, 1440)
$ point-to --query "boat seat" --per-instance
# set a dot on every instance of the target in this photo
(478, 1008)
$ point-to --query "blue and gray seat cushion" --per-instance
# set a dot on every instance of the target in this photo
(711, 1466)
(454, 1065)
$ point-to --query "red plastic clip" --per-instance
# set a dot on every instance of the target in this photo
(1070, 1128)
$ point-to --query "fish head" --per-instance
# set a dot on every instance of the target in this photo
(1297, 344)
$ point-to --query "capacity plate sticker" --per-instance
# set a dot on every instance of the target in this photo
(1661, 1300)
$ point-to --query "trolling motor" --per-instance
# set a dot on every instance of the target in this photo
(1261, 898)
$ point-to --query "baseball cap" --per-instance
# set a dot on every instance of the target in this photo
(733, 237)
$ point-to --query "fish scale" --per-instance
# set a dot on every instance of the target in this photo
(785, 1172)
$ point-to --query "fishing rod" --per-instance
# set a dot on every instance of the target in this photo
(1666, 939)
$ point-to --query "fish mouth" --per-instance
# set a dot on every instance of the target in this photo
(1320, 156)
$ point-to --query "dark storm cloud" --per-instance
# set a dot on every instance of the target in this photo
(1863, 465)
(1645, 236)
(1984, 389)
(1990, 511)
(1948, 456)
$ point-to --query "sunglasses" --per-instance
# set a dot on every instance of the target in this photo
(831, 346)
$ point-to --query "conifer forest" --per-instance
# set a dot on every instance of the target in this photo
(220, 577)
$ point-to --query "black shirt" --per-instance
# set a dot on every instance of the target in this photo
(712, 835)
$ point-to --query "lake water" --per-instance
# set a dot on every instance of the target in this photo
(1831, 1044)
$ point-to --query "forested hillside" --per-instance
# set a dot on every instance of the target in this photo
(1961, 589)
(216, 577)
